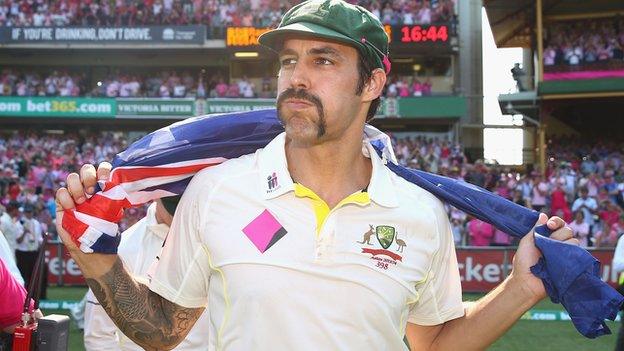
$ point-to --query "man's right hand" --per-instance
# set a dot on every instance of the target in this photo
(79, 188)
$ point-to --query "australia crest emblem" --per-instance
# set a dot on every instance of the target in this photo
(386, 236)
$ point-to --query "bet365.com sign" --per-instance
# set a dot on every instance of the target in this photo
(57, 106)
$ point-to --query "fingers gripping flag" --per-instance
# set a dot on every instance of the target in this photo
(162, 163)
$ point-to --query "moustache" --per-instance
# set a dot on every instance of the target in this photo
(300, 94)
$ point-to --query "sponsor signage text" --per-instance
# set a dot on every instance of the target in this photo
(156, 107)
(483, 269)
(140, 34)
(57, 106)
(237, 105)
(62, 269)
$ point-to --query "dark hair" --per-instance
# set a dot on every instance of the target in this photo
(365, 71)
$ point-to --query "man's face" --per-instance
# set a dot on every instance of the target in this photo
(316, 99)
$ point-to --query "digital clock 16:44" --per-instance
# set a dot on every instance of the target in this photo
(417, 34)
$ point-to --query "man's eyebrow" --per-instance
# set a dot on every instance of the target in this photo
(325, 50)
(287, 51)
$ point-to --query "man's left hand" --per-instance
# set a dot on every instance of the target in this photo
(528, 254)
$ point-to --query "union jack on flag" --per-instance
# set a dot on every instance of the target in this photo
(162, 163)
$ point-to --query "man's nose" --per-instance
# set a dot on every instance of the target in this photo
(299, 78)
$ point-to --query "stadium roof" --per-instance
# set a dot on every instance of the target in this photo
(513, 21)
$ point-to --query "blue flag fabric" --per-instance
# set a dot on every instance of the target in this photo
(569, 273)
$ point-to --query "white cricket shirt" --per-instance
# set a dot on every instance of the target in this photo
(278, 270)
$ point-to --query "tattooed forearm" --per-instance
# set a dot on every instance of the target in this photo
(145, 317)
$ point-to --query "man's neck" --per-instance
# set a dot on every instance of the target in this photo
(333, 170)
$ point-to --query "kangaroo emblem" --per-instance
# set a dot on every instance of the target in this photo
(401, 243)
(367, 236)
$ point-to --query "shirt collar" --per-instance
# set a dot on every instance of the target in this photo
(275, 179)
(380, 188)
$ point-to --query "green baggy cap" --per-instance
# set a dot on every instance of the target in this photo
(334, 20)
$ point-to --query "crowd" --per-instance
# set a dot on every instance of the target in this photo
(213, 13)
(583, 184)
(408, 86)
(584, 42)
(32, 83)
(165, 84)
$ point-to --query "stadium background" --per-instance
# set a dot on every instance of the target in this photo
(80, 80)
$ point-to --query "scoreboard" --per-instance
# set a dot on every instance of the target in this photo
(411, 35)
(415, 34)
(420, 34)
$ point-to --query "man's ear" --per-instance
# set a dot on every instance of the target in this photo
(375, 85)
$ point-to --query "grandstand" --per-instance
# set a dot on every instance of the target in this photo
(573, 64)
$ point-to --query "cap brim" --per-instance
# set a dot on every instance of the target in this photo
(274, 39)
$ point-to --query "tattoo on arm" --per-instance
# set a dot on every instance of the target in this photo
(144, 316)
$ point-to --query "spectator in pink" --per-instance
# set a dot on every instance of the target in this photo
(540, 191)
(580, 228)
(12, 296)
(501, 238)
(502, 189)
(233, 91)
(480, 232)
(612, 224)
(617, 228)
(417, 87)
(403, 88)
(221, 88)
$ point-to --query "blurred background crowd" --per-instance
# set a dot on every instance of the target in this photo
(214, 13)
(584, 182)
(166, 83)
(591, 41)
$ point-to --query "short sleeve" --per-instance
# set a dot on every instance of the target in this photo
(440, 295)
(182, 270)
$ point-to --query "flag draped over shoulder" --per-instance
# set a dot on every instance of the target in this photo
(162, 163)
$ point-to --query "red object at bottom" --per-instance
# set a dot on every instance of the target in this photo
(24, 338)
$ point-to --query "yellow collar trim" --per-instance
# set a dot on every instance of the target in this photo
(322, 210)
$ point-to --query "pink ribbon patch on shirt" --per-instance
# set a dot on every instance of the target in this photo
(264, 231)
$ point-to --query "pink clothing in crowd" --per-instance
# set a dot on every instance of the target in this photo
(581, 232)
(12, 295)
(501, 238)
(481, 233)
